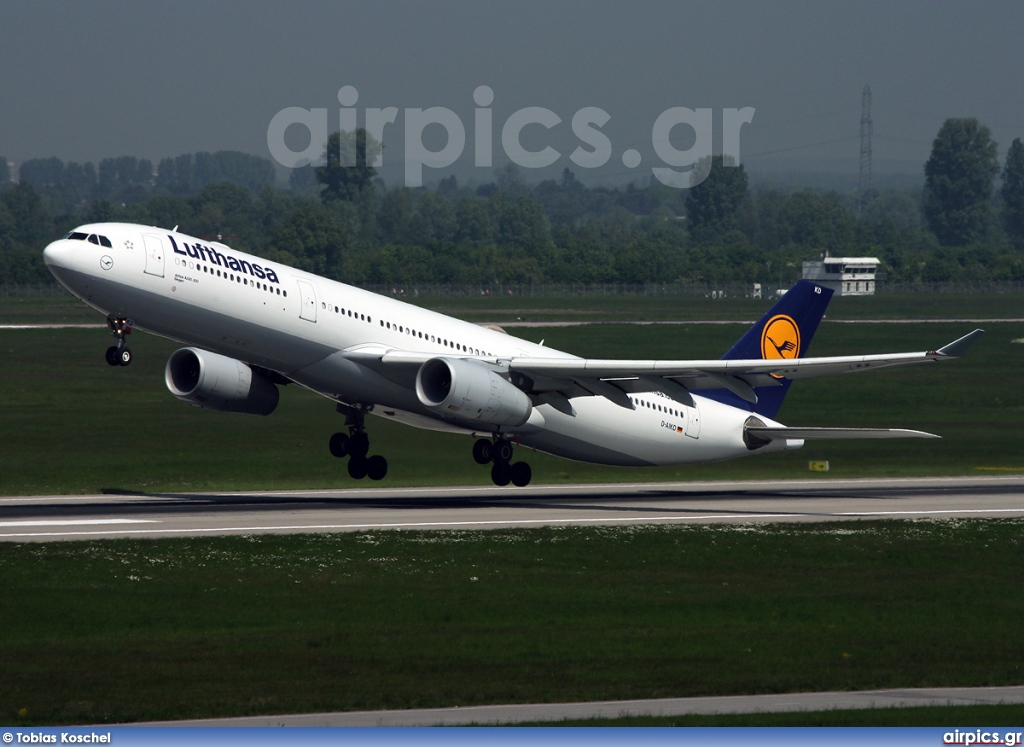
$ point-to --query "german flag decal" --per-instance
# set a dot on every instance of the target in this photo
(780, 338)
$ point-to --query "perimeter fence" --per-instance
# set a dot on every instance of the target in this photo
(593, 290)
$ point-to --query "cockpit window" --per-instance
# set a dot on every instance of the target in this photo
(92, 238)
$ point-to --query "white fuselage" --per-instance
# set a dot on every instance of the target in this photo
(301, 326)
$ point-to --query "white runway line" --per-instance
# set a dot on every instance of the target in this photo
(73, 522)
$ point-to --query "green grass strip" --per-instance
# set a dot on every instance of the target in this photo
(127, 630)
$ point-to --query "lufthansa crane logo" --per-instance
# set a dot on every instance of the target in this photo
(780, 338)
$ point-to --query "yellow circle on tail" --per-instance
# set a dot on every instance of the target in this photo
(780, 338)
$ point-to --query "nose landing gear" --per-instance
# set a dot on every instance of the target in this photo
(119, 354)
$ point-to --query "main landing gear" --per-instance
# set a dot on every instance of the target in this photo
(356, 445)
(119, 354)
(500, 453)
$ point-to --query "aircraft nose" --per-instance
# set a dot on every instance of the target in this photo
(56, 253)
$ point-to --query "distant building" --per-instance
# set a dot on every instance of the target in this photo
(13, 171)
(847, 276)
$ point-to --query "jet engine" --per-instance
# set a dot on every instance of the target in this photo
(219, 383)
(471, 391)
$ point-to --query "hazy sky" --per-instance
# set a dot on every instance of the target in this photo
(87, 80)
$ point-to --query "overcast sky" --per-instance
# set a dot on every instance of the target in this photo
(88, 80)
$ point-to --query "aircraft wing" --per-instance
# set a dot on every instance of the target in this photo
(739, 376)
(555, 380)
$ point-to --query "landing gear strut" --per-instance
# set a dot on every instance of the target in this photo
(119, 354)
(500, 453)
(356, 445)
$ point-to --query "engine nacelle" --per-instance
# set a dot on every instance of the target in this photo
(471, 391)
(219, 383)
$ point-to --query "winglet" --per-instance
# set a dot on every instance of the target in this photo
(960, 347)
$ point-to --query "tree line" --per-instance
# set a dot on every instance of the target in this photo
(342, 221)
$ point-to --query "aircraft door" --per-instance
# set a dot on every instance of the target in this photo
(154, 255)
(692, 421)
(308, 297)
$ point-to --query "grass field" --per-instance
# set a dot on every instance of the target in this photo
(130, 629)
(75, 425)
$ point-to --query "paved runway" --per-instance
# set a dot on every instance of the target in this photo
(47, 518)
(510, 714)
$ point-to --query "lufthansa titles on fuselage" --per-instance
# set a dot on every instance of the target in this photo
(214, 257)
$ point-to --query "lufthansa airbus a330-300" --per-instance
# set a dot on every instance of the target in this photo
(251, 325)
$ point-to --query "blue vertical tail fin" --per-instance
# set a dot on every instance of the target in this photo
(785, 331)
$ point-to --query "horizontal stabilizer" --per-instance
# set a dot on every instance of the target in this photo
(781, 433)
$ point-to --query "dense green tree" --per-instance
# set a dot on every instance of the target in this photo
(245, 170)
(898, 207)
(817, 222)
(227, 210)
(163, 211)
(189, 173)
(585, 258)
(124, 179)
(30, 225)
(100, 211)
(712, 205)
(42, 173)
(770, 231)
(175, 175)
(6, 229)
(958, 182)
(556, 231)
(313, 239)
(302, 180)
(434, 220)
(79, 182)
(348, 171)
(509, 178)
(65, 188)
(449, 186)
(25, 228)
(475, 224)
(394, 214)
(5, 172)
(520, 223)
(1012, 193)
